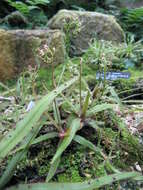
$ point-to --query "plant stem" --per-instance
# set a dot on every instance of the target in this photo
(55, 102)
(80, 78)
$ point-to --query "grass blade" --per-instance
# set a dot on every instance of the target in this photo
(23, 127)
(99, 108)
(19, 156)
(11, 168)
(88, 185)
(115, 96)
(3, 86)
(53, 169)
(45, 137)
(85, 105)
(93, 124)
(86, 143)
(40, 139)
(75, 125)
(57, 113)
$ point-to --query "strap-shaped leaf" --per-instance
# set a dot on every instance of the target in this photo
(85, 105)
(39, 139)
(53, 169)
(75, 125)
(19, 156)
(99, 108)
(88, 185)
(86, 143)
(11, 168)
(23, 127)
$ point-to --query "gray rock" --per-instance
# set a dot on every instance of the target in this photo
(18, 49)
(81, 27)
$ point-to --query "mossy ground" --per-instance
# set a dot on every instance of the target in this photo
(70, 67)
(78, 164)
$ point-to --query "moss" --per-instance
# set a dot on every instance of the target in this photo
(77, 164)
(124, 146)
(109, 134)
(63, 178)
(43, 170)
(131, 145)
(119, 143)
(70, 176)
(100, 170)
(128, 84)
(129, 151)
(44, 79)
(70, 67)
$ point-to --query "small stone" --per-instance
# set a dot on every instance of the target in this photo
(138, 168)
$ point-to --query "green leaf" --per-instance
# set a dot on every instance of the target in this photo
(18, 157)
(86, 143)
(18, 88)
(53, 169)
(11, 168)
(38, 2)
(88, 185)
(23, 127)
(75, 125)
(3, 86)
(115, 96)
(40, 139)
(99, 108)
(85, 105)
(33, 7)
(56, 112)
(139, 178)
(45, 137)
(93, 124)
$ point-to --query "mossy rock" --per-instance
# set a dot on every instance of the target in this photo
(18, 49)
(82, 27)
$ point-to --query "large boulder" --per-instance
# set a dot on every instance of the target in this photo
(18, 49)
(82, 27)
